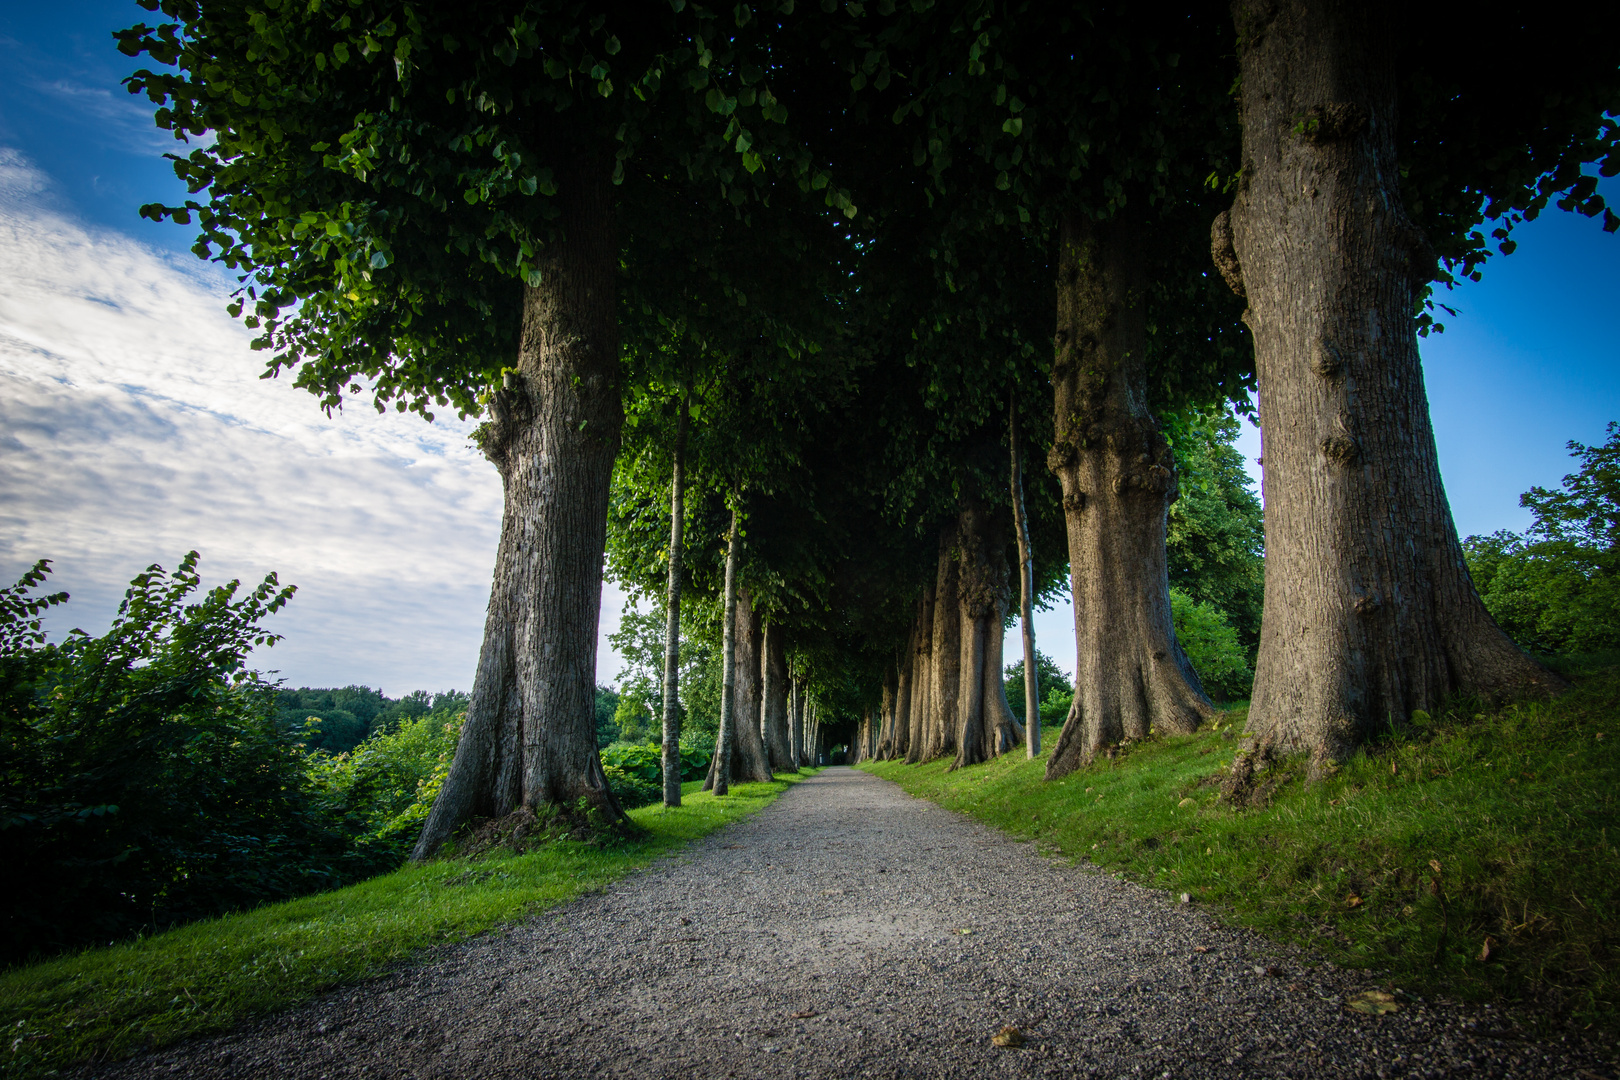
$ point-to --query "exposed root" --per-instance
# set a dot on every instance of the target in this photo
(1252, 781)
(526, 829)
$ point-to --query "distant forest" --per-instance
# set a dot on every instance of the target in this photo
(346, 717)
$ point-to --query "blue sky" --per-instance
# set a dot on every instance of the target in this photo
(134, 424)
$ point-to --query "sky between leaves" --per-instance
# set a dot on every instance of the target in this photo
(133, 425)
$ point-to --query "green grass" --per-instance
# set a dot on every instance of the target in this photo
(207, 976)
(1516, 807)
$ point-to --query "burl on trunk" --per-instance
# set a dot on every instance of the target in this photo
(1369, 609)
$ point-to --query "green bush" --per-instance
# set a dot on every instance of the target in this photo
(1213, 646)
(382, 790)
(142, 779)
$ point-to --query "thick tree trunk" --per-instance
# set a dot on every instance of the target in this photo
(902, 698)
(1369, 609)
(944, 654)
(529, 738)
(774, 712)
(985, 726)
(1026, 591)
(885, 738)
(719, 778)
(922, 676)
(750, 763)
(672, 628)
(1118, 475)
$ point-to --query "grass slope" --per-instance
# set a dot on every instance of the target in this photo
(208, 976)
(1474, 826)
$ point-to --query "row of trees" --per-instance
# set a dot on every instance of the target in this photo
(762, 304)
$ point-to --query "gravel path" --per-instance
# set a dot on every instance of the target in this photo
(850, 930)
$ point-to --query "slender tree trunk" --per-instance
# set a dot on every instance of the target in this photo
(672, 629)
(1370, 612)
(922, 677)
(944, 654)
(796, 726)
(1118, 474)
(719, 778)
(530, 738)
(1026, 591)
(774, 714)
(885, 738)
(985, 726)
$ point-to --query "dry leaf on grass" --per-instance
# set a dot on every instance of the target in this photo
(1009, 1037)
(1487, 950)
(1354, 901)
(1372, 1002)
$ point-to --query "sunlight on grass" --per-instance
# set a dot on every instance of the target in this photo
(204, 977)
(1473, 825)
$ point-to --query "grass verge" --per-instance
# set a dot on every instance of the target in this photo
(110, 1002)
(1468, 856)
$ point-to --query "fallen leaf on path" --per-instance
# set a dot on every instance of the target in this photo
(1200, 948)
(1008, 1037)
(965, 931)
(1372, 1002)
(805, 1015)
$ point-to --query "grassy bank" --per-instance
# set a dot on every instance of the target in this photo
(1475, 827)
(205, 977)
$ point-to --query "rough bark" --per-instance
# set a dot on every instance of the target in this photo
(944, 655)
(672, 627)
(1369, 609)
(750, 763)
(719, 778)
(774, 701)
(985, 725)
(1026, 591)
(796, 728)
(902, 697)
(1118, 476)
(922, 675)
(885, 738)
(529, 738)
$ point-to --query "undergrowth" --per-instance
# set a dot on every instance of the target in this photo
(1467, 856)
(107, 1003)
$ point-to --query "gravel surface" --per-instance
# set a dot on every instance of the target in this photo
(850, 930)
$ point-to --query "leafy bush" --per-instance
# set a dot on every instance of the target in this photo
(1213, 646)
(381, 791)
(1055, 708)
(142, 780)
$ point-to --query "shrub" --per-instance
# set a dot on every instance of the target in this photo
(142, 780)
(1213, 646)
(380, 792)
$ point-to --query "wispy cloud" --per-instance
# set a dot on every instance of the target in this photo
(134, 427)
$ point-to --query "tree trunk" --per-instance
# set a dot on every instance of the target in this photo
(1026, 592)
(1118, 475)
(1369, 609)
(985, 726)
(944, 654)
(750, 763)
(672, 629)
(530, 738)
(774, 712)
(902, 697)
(885, 737)
(719, 778)
(796, 723)
(922, 676)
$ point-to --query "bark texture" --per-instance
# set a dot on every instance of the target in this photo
(901, 745)
(921, 675)
(796, 727)
(985, 725)
(672, 627)
(749, 761)
(774, 722)
(719, 778)
(939, 723)
(529, 738)
(1118, 476)
(1026, 591)
(1369, 609)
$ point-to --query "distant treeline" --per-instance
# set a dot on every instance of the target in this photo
(350, 715)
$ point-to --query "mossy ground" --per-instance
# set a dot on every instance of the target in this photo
(1476, 824)
(207, 976)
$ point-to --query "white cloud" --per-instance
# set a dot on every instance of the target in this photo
(134, 427)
